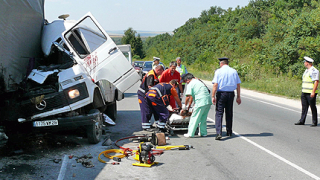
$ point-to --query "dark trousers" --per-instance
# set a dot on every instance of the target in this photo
(224, 101)
(145, 110)
(157, 107)
(307, 101)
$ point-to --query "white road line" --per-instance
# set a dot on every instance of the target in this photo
(276, 105)
(63, 168)
(210, 119)
(270, 152)
(279, 157)
(272, 104)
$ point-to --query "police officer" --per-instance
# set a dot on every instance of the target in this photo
(182, 70)
(310, 81)
(156, 62)
(225, 81)
(158, 100)
(148, 81)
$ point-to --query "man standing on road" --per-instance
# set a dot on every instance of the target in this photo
(225, 81)
(198, 92)
(310, 81)
(182, 70)
(171, 74)
(158, 100)
(148, 81)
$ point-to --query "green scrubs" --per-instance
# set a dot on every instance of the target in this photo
(202, 102)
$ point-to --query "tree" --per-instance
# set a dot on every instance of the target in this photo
(136, 43)
(139, 47)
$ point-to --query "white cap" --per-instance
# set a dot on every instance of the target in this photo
(156, 58)
(306, 58)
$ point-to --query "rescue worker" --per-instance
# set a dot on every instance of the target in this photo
(225, 81)
(182, 70)
(158, 100)
(172, 74)
(198, 92)
(148, 81)
(310, 81)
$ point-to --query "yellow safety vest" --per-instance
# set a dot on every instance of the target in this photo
(307, 83)
(183, 72)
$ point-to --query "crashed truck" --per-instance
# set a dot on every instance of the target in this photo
(80, 75)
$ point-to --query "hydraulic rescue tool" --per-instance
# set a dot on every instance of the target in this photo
(121, 154)
(179, 147)
(144, 156)
(117, 159)
(155, 139)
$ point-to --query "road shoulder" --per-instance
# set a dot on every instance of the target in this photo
(265, 97)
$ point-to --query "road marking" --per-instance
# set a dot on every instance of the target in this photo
(279, 157)
(272, 153)
(210, 119)
(63, 168)
(276, 105)
(272, 104)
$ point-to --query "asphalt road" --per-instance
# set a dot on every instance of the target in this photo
(266, 145)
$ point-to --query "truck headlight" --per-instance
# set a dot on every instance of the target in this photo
(74, 93)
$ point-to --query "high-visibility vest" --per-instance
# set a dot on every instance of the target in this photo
(307, 83)
(183, 72)
(143, 86)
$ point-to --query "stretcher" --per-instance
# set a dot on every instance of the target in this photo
(176, 122)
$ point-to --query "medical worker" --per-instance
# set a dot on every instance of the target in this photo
(198, 92)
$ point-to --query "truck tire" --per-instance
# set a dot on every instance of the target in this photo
(94, 131)
(111, 110)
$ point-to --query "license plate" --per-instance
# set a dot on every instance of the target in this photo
(45, 123)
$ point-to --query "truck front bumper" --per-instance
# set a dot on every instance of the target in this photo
(68, 122)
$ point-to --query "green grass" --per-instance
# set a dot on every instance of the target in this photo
(290, 88)
(280, 86)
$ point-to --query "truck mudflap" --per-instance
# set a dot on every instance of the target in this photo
(69, 122)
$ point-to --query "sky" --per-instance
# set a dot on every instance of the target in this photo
(141, 15)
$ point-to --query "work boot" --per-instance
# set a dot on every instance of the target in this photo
(162, 130)
(148, 129)
(155, 124)
(218, 137)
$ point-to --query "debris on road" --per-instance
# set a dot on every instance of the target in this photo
(113, 163)
(56, 160)
(107, 142)
(85, 161)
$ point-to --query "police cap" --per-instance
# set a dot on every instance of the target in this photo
(306, 58)
(223, 58)
(155, 59)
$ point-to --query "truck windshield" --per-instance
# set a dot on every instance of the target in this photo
(85, 37)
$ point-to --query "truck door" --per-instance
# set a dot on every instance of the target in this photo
(101, 58)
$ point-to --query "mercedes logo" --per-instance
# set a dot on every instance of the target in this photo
(41, 105)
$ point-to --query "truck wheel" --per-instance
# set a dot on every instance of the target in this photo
(111, 111)
(94, 131)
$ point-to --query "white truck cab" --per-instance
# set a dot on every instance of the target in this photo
(83, 74)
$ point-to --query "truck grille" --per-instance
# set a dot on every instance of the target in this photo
(53, 101)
